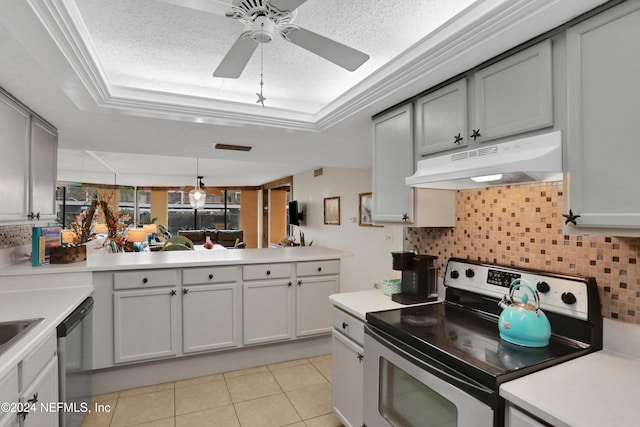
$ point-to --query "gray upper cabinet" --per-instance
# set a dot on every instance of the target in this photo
(514, 95)
(44, 154)
(14, 162)
(509, 97)
(603, 65)
(441, 119)
(392, 163)
(28, 167)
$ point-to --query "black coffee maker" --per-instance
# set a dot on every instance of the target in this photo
(419, 277)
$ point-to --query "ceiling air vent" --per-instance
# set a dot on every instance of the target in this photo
(317, 172)
(232, 147)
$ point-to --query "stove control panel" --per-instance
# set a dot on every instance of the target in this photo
(558, 293)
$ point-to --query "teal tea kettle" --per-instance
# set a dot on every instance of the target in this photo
(522, 323)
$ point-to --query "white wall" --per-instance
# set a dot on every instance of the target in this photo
(371, 246)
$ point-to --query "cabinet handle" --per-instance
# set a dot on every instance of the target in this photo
(34, 399)
(475, 133)
(32, 215)
(145, 280)
(570, 218)
(360, 357)
(289, 284)
(405, 217)
(268, 272)
(319, 269)
(211, 276)
(457, 139)
(299, 282)
(173, 292)
(185, 291)
(344, 325)
(23, 414)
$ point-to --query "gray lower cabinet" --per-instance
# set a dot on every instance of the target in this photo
(268, 310)
(9, 393)
(392, 200)
(316, 280)
(209, 317)
(145, 324)
(347, 372)
(603, 65)
(38, 373)
(441, 119)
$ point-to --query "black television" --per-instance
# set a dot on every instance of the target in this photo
(295, 217)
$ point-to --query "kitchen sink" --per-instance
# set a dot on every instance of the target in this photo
(10, 332)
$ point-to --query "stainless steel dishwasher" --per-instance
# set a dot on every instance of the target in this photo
(74, 364)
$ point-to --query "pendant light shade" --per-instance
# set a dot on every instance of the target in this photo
(197, 197)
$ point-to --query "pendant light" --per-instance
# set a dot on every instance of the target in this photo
(197, 196)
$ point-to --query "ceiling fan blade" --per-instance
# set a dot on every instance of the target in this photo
(331, 50)
(289, 5)
(212, 6)
(236, 59)
(212, 190)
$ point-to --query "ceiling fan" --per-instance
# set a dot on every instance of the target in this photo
(200, 185)
(264, 18)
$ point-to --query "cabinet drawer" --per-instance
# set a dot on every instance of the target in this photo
(193, 276)
(35, 362)
(9, 387)
(317, 268)
(348, 325)
(144, 279)
(266, 271)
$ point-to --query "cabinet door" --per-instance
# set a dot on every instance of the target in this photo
(9, 420)
(145, 324)
(392, 163)
(14, 162)
(441, 119)
(44, 154)
(267, 311)
(208, 317)
(347, 380)
(603, 65)
(514, 95)
(43, 390)
(313, 308)
(9, 394)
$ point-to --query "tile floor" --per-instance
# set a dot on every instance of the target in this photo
(295, 393)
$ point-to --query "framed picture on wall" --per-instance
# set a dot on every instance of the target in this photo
(365, 214)
(332, 210)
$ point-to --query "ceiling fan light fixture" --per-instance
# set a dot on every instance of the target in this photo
(262, 31)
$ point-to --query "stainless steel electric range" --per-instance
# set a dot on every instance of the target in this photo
(442, 364)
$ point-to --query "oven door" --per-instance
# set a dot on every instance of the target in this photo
(402, 391)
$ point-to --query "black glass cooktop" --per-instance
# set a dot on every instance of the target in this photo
(468, 343)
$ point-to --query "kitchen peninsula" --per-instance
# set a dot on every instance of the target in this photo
(223, 309)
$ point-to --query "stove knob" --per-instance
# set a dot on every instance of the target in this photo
(568, 298)
(454, 274)
(542, 287)
(469, 273)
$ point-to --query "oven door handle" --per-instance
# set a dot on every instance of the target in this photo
(482, 392)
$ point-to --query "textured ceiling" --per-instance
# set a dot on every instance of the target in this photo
(158, 46)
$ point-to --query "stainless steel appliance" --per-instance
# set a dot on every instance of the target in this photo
(442, 364)
(74, 364)
(419, 277)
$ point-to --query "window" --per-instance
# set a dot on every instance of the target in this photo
(219, 212)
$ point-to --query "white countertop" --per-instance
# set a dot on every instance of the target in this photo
(179, 259)
(599, 389)
(360, 303)
(53, 304)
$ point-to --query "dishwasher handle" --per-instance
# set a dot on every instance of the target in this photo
(75, 317)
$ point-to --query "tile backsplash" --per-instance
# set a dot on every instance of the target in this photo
(521, 226)
(15, 235)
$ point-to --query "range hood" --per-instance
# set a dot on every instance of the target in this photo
(534, 159)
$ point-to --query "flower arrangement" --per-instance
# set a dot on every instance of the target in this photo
(84, 223)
